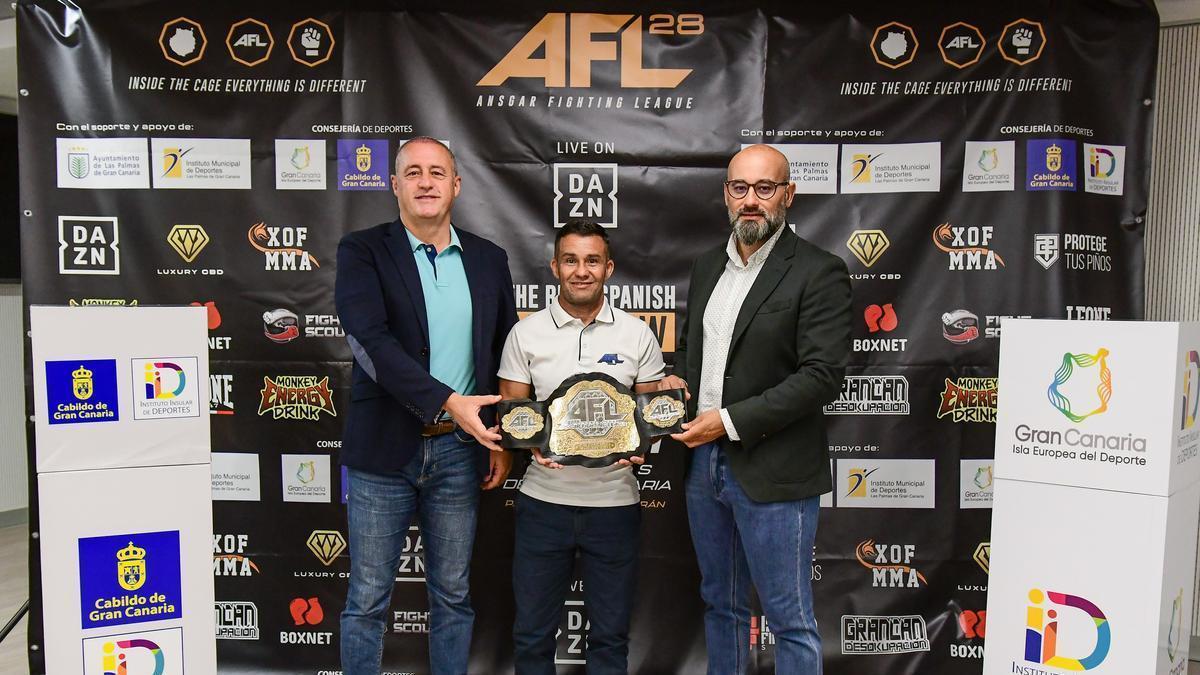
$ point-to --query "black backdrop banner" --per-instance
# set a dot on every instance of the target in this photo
(970, 163)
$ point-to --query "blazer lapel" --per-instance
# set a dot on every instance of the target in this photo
(402, 255)
(473, 266)
(774, 268)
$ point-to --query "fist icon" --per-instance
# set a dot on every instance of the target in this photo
(311, 40)
(1021, 39)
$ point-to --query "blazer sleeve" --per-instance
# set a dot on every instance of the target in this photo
(358, 296)
(822, 349)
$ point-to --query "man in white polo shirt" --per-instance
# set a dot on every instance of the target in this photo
(567, 509)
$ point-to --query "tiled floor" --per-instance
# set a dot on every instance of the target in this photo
(14, 589)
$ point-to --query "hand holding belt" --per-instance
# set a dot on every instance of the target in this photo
(591, 420)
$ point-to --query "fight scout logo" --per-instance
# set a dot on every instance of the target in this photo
(890, 564)
(544, 54)
(88, 245)
(969, 399)
(296, 397)
(585, 191)
(1042, 629)
(129, 578)
(80, 392)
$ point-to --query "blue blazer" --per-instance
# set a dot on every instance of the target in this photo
(382, 309)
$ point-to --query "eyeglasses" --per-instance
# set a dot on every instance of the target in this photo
(763, 189)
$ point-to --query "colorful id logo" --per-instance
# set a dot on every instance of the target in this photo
(83, 391)
(1190, 400)
(154, 652)
(1042, 628)
(1061, 376)
(165, 388)
(363, 164)
(129, 578)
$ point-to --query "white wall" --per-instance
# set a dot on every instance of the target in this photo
(13, 474)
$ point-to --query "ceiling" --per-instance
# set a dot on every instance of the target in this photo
(1171, 11)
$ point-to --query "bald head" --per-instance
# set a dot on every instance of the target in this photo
(767, 162)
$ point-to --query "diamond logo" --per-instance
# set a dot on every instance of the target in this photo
(188, 241)
(983, 555)
(868, 245)
(326, 545)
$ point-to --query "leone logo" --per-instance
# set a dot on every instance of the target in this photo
(1041, 636)
(1061, 376)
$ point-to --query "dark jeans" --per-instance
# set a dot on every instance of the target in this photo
(548, 537)
(440, 485)
(740, 542)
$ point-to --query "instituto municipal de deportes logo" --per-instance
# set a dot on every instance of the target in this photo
(1042, 629)
(1067, 369)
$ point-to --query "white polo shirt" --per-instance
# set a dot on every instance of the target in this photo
(549, 346)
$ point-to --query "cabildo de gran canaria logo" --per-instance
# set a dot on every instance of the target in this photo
(1063, 374)
(1041, 635)
(129, 578)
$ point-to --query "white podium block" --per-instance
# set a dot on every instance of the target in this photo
(1096, 498)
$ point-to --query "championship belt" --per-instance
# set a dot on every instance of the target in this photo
(591, 420)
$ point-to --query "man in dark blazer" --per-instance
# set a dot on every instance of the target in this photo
(426, 308)
(763, 347)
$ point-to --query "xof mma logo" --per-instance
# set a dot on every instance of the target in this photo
(296, 397)
(282, 247)
(229, 559)
(890, 564)
(1063, 374)
(585, 191)
(967, 247)
(1041, 636)
(549, 36)
(970, 399)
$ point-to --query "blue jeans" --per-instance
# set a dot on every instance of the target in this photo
(548, 535)
(441, 485)
(739, 541)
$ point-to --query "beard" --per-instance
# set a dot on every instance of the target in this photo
(752, 232)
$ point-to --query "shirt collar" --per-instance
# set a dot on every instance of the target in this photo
(561, 318)
(416, 244)
(758, 257)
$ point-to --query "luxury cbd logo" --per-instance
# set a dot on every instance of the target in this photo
(550, 37)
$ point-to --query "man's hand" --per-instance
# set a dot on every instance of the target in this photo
(499, 466)
(675, 382)
(706, 427)
(465, 412)
(636, 459)
(549, 464)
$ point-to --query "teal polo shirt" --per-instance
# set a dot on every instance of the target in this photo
(449, 311)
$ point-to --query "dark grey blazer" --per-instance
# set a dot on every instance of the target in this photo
(787, 359)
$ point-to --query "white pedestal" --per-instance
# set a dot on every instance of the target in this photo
(1096, 499)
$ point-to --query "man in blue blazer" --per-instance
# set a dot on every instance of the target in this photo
(426, 308)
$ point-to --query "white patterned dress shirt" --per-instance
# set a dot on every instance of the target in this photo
(719, 317)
